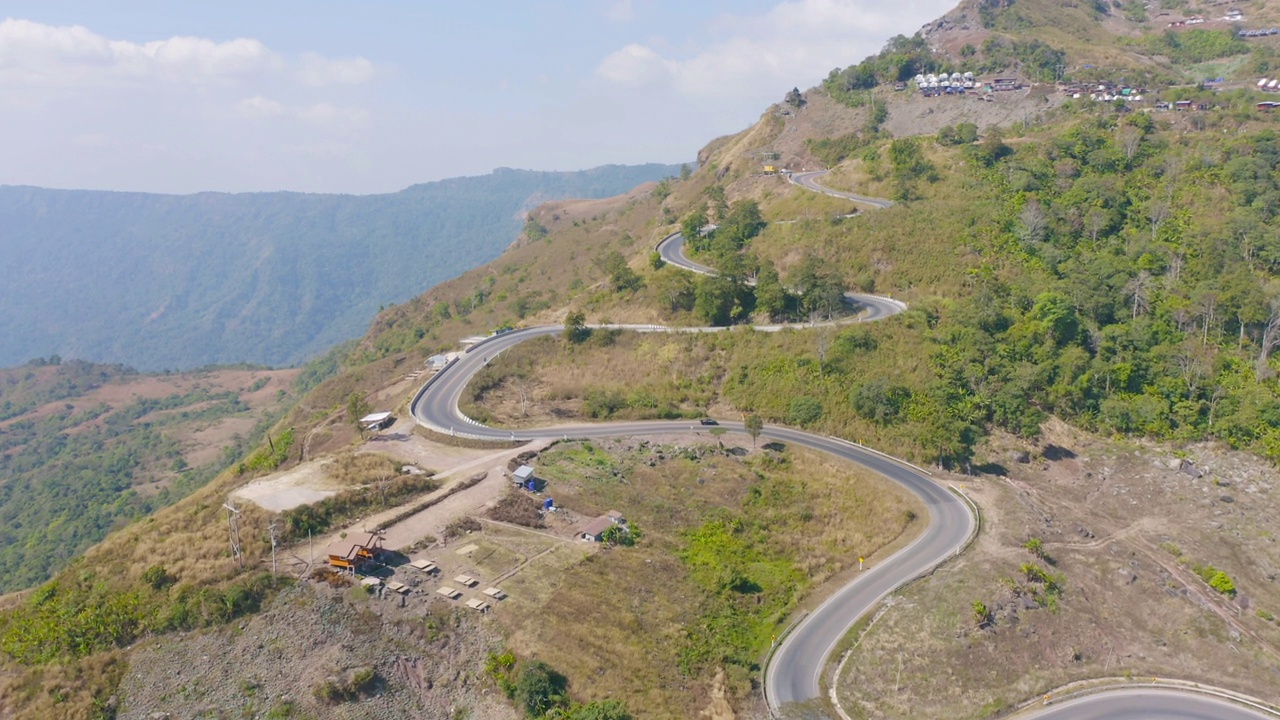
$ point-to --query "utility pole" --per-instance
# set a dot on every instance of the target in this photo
(272, 529)
(233, 527)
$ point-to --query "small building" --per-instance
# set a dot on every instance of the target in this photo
(478, 604)
(524, 477)
(449, 592)
(437, 362)
(1182, 105)
(593, 530)
(495, 593)
(377, 421)
(351, 553)
(466, 581)
(424, 565)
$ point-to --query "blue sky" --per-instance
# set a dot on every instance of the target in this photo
(373, 96)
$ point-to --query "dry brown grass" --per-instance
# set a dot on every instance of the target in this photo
(520, 508)
(365, 468)
(84, 690)
(1130, 607)
(642, 602)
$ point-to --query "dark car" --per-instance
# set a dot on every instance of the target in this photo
(708, 421)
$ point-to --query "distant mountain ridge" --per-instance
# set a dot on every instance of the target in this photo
(181, 281)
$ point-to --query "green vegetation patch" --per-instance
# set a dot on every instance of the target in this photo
(70, 475)
(731, 543)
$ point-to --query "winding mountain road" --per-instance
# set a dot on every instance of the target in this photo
(809, 180)
(795, 668)
(797, 664)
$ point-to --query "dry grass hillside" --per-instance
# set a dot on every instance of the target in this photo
(1005, 331)
(1123, 530)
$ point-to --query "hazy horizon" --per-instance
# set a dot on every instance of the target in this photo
(318, 97)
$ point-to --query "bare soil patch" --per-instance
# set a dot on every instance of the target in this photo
(1124, 525)
(307, 483)
(428, 659)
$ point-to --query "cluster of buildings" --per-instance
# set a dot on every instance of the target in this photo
(959, 83)
(1104, 91)
(591, 530)
(1258, 33)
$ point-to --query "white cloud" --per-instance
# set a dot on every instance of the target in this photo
(620, 11)
(35, 54)
(321, 115)
(636, 65)
(342, 118)
(259, 107)
(795, 43)
(316, 70)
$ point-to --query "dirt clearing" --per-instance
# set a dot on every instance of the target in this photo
(1111, 590)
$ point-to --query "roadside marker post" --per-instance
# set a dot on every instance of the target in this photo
(859, 563)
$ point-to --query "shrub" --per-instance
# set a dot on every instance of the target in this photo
(804, 410)
(1035, 546)
(519, 508)
(539, 688)
(352, 685)
(158, 578)
(1222, 583)
(980, 613)
(462, 526)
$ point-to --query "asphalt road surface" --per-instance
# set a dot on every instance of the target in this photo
(1148, 704)
(795, 668)
(672, 251)
(809, 180)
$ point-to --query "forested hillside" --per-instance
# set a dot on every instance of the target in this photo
(85, 448)
(172, 282)
(1103, 267)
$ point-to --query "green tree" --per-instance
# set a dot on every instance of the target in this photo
(539, 688)
(691, 226)
(754, 425)
(804, 410)
(716, 300)
(742, 223)
(575, 327)
(676, 288)
(992, 149)
(621, 276)
(908, 164)
(655, 260)
(772, 298)
(879, 401)
(821, 289)
(357, 407)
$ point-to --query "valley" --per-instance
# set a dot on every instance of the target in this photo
(899, 405)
